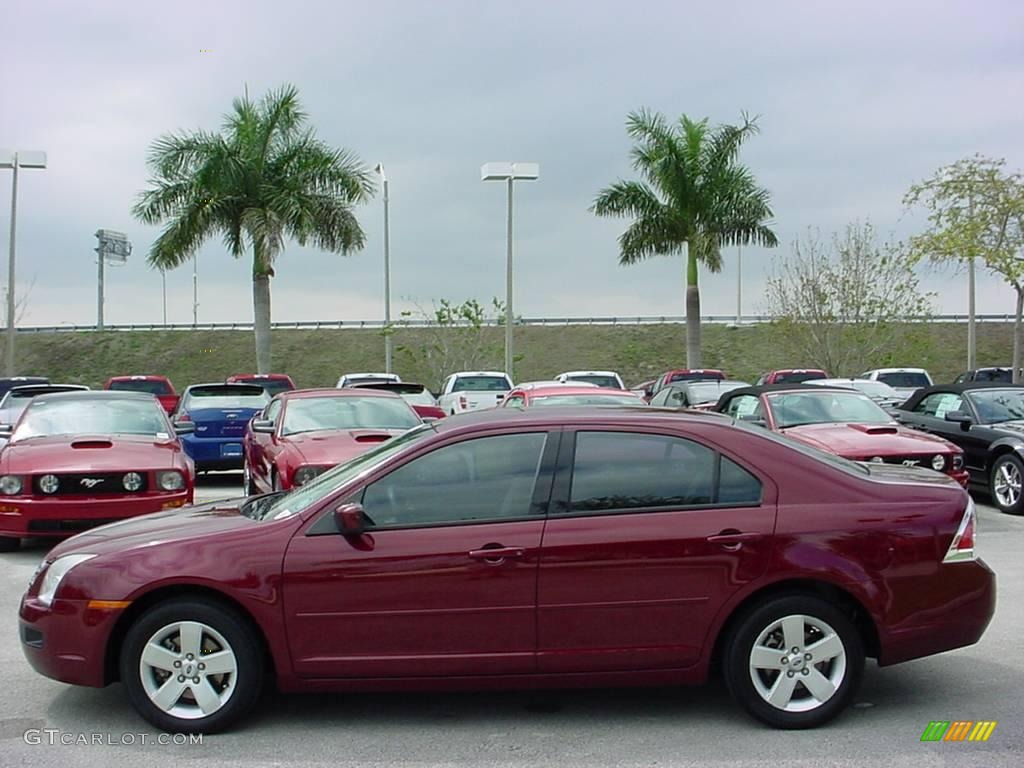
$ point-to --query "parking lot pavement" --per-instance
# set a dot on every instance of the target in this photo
(698, 726)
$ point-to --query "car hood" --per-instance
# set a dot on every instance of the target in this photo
(90, 453)
(865, 440)
(1015, 428)
(330, 448)
(159, 528)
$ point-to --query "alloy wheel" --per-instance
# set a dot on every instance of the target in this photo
(1007, 484)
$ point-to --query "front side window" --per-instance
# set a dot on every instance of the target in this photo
(938, 404)
(514, 401)
(624, 471)
(744, 405)
(998, 405)
(272, 411)
(479, 480)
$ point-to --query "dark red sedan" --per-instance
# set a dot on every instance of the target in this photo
(76, 460)
(526, 548)
(303, 433)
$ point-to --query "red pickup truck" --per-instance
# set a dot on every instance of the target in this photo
(159, 386)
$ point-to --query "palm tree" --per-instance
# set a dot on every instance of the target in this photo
(695, 198)
(263, 178)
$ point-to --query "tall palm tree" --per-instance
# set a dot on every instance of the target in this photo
(695, 198)
(263, 178)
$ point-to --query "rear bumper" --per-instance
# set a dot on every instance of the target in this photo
(214, 452)
(67, 640)
(22, 518)
(953, 623)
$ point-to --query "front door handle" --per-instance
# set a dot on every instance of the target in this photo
(733, 539)
(497, 555)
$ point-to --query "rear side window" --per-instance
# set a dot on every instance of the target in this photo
(625, 471)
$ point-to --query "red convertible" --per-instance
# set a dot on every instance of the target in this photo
(76, 460)
(845, 422)
(305, 432)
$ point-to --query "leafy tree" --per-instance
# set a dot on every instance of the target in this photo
(844, 305)
(976, 211)
(695, 198)
(263, 178)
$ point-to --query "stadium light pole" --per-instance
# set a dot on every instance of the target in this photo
(387, 270)
(15, 160)
(509, 173)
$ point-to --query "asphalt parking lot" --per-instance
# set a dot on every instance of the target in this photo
(639, 727)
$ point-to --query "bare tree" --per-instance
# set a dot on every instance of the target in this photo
(841, 304)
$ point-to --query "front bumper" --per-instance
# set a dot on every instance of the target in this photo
(64, 516)
(67, 641)
(953, 620)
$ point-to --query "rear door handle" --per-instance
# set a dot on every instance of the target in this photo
(497, 555)
(733, 538)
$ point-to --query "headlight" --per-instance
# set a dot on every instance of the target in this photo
(132, 481)
(938, 462)
(170, 481)
(304, 474)
(55, 574)
(958, 461)
(10, 485)
(49, 483)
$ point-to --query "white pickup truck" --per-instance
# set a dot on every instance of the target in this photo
(473, 391)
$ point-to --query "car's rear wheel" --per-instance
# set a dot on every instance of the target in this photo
(191, 666)
(9, 543)
(794, 661)
(1007, 484)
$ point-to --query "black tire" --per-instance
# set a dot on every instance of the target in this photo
(739, 676)
(243, 642)
(1016, 468)
(9, 543)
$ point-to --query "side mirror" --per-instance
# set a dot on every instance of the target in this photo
(263, 425)
(184, 427)
(754, 419)
(961, 418)
(350, 519)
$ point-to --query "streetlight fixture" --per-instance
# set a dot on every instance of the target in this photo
(113, 249)
(387, 271)
(509, 172)
(15, 160)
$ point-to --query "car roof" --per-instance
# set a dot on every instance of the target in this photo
(896, 370)
(638, 415)
(138, 377)
(767, 389)
(304, 394)
(100, 394)
(251, 376)
(706, 382)
(795, 370)
(958, 389)
(480, 373)
(45, 389)
(841, 382)
(571, 389)
(234, 386)
(589, 373)
(367, 375)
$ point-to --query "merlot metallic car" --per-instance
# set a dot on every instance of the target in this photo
(523, 548)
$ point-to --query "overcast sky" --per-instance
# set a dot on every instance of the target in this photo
(857, 101)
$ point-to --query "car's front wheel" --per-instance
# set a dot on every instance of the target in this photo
(1007, 484)
(794, 661)
(191, 665)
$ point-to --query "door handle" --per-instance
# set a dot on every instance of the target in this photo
(497, 555)
(733, 539)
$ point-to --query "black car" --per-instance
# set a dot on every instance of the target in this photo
(1004, 375)
(986, 419)
(10, 382)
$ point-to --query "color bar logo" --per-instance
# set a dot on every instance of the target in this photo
(958, 730)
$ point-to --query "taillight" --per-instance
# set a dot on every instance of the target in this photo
(961, 549)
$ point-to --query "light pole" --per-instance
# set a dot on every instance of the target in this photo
(739, 284)
(115, 248)
(163, 285)
(195, 289)
(387, 271)
(15, 160)
(509, 172)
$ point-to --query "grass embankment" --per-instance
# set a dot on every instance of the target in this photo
(316, 358)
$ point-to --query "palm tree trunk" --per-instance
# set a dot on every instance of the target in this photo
(1017, 334)
(261, 320)
(692, 312)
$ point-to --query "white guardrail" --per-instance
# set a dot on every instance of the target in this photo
(536, 321)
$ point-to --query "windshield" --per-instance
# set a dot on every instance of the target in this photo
(609, 382)
(305, 496)
(588, 399)
(149, 386)
(225, 397)
(905, 380)
(312, 414)
(45, 417)
(794, 409)
(996, 405)
(481, 384)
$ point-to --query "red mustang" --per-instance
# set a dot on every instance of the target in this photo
(305, 432)
(527, 548)
(845, 422)
(76, 460)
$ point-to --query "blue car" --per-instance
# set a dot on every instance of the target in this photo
(220, 413)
